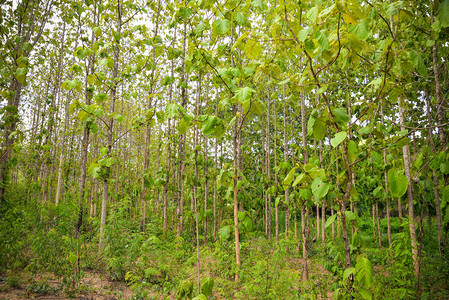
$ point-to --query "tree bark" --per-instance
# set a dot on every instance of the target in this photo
(411, 214)
(110, 127)
(268, 136)
(435, 180)
(86, 129)
(305, 272)
(287, 190)
(276, 209)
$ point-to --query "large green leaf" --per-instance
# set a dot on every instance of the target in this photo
(365, 294)
(252, 49)
(224, 232)
(350, 215)
(446, 194)
(340, 115)
(304, 193)
(338, 139)
(348, 272)
(21, 74)
(71, 84)
(290, 176)
(418, 63)
(330, 220)
(241, 19)
(209, 124)
(303, 33)
(361, 30)
(443, 14)
(397, 183)
(256, 107)
(222, 26)
(299, 179)
(319, 188)
(444, 167)
(312, 14)
(244, 94)
(322, 40)
(316, 127)
(171, 110)
(259, 4)
(200, 28)
(379, 192)
(364, 272)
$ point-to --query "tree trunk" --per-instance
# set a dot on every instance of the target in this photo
(286, 192)
(167, 179)
(439, 98)
(411, 214)
(305, 272)
(268, 136)
(435, 178)
(276, 209)
(378, 226)
(182, 139)
(323, 220)
(110, 127)
(237, 132)
(86, 129)
(386, 185)
(195, 200)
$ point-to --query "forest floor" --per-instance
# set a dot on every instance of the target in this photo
(94, 285)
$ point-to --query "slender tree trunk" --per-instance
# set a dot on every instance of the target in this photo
(323, 219)
(411, 214)
(287, 190)
(318, 221)
(86, 129)
(373, 210)
(439, 98)
(305, 272)
(378, 226)
(195, 200)
(268, 136)
(182, 139)
(345, 237)
(237, 145)
(435, 179)
(215, 183)
(167, 179)
(386, 186)
(333, 223)
(275, 168)
(110, 127)
(66, 121)
(61, 156)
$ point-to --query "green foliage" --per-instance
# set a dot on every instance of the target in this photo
(319, 188)
(443, 14)
(185, 290)
(330, 220)
(207, 284)
(338, 139)
(397, 183)
(202, 67)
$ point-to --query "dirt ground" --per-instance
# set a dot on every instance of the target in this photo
(93, 286)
